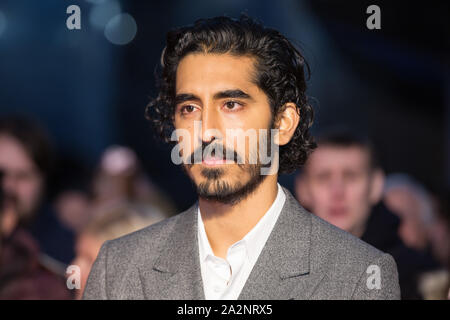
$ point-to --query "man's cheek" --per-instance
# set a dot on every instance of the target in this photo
(320, 196)
(32, 191)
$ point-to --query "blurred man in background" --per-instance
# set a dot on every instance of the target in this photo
(38, 238)
(23, 274)
(343, 184)
(26, 159)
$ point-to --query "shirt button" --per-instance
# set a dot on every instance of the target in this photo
(216, 289)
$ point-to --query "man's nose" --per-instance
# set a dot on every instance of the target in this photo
(337, 187)
(210, 125)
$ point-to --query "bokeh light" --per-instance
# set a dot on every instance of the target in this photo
(102, 13)
(2, 23)
(121, 29)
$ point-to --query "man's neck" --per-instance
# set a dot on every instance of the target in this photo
(226, 224)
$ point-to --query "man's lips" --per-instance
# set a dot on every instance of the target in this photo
(216, 161)
(337, 212)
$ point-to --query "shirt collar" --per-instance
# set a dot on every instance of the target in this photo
(255, 239)
(204, 247)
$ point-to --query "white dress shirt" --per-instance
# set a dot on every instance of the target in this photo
(225, 278)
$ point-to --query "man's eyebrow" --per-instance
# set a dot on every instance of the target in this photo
(183, 97)
(235, 93)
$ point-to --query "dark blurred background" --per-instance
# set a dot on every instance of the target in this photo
(392, 84)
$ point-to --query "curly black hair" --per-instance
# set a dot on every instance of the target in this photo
(280, 74)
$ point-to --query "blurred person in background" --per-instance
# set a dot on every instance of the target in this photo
(424, 226)
(27, 160)
(1, 209)
(109, 222)
(72, 198)
(73, 207)
(421, 227)
(119, 177)
(23, 272)
(439, 234)
(342, 183)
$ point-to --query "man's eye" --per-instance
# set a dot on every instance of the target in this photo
(232, 105)
(323, 177)
(187, 109)
(350, 176)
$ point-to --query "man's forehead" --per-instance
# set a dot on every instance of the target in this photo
(335, 157)
(13, 152)
(216, 72)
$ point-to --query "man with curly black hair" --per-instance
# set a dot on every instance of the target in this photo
(230, 92)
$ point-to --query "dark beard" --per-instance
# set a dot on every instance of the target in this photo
(226, 193)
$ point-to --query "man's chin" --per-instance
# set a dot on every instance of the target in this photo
(230, 197)
(215, 186)
(226, 193)
(341, 224)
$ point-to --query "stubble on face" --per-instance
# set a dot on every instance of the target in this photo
(216, 184)
(204, 78)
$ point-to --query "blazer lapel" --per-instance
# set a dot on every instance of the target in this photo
(283, 269)
(176, 274)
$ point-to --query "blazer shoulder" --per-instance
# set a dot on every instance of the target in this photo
(341, 246)
(329, 243)
(145, 240)
(116, 271)
(349, 264)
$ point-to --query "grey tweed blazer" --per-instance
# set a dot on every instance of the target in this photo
(304, 258)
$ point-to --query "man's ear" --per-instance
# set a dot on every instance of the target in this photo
(376, 187)
(286, 122)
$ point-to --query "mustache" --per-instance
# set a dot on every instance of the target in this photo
(210, 148)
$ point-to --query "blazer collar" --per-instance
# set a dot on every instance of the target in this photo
(176, 274)
(181, 247)
(284, 263)
(285, 256)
